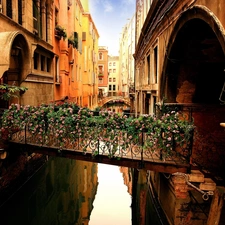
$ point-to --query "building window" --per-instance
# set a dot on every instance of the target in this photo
(57, 69)
(110, 64)
(46, 22)
(114, 63)
(72, 73)
(36, 17)
(100, 69)
(155, 64)
(100, 56)
(20, 12)
(114, 70)
(110, 87)
(100, 81)
(114, 87)
(148, 69)
(56, 16)
(110, 79)
(42, 63)
(76, 12)
(40, 19)
(48, 65)
(76, 73)
(110, 70)
(36, 60)
(1, 10)
(9, 8)
(114, 79)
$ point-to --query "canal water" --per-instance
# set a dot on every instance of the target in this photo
(112, 203)
(70, 192)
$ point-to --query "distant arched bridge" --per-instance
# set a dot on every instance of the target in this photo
(113, 99)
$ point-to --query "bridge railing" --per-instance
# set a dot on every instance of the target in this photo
(166, 138)
(113, 143)
(110, 94)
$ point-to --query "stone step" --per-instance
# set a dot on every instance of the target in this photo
(208, 185)
(196, 176)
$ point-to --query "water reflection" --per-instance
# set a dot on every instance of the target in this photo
(63, 192)
(112, 202)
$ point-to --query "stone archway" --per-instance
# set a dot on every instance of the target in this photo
(195, 54)
(194, 75)
(14, 60)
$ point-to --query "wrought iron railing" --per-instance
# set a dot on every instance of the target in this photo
(112, 143)
(167, 137)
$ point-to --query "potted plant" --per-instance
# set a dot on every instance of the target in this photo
(8, 91)
(72, 41)
(60, 32)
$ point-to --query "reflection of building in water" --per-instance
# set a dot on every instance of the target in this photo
(116, 106)
(127, 178)
(86, 187)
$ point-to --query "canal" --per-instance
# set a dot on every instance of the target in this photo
(72, 192)
(66, 191)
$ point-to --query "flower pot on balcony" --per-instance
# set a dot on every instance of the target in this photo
(60, 32)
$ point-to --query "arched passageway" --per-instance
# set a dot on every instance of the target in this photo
(195, 75)
(15, 62)
(196, 64)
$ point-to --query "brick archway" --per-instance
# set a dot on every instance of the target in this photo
(13, 66)
(197, 30)
(194, 75)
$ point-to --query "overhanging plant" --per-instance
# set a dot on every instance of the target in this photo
(9, 91)
(72, 41)
(60, 31)
(118, 132)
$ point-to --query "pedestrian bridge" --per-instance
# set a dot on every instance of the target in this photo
(133, 154)
(160, 143)
(113, 99)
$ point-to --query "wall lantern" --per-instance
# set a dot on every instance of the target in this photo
(15, 51)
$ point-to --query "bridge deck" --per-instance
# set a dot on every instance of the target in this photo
(133, 156)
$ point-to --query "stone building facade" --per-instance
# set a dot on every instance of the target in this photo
(180, 62)
(27, 48)
(51, 48)
(127, 48)
(102, 71)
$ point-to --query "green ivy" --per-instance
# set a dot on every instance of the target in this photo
(7, 91)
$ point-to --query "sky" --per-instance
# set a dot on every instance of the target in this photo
(110, 16)
(112, 202)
